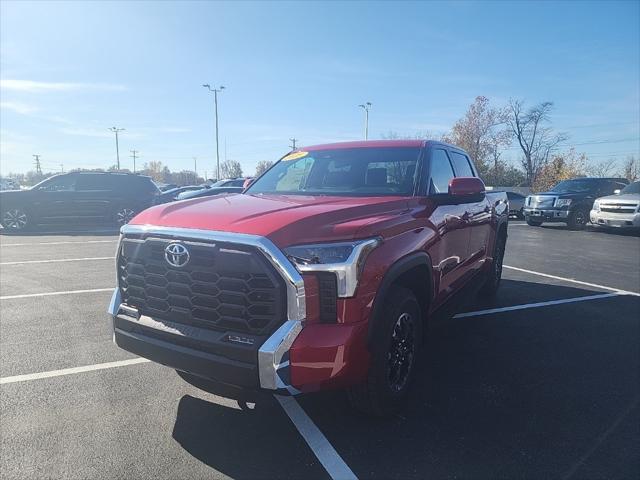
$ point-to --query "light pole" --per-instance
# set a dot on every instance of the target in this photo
(116, 131)
(366, 107)
(215, 101)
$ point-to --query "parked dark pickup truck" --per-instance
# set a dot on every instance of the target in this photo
(570, 201)
(322, 274)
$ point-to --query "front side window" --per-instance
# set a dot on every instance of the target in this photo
(92, 183)
(344, 171)
(441, 172)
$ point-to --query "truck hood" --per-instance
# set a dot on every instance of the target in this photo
(285, 219)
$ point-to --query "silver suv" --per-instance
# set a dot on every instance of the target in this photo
(621, 210)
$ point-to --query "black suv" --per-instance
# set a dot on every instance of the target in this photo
(78, 198)
(570, 201)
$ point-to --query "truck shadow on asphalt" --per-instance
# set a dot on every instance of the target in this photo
(517, 394)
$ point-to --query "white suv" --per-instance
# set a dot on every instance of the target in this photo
(621, 210)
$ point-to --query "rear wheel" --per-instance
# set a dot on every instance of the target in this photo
(578, 219)
(490, 287)
(15, 219)
(533, 223)
(124, 215)
(395, 349)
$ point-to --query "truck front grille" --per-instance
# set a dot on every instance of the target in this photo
(226, 287)
(618, 208)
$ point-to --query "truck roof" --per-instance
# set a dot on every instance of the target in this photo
(400, 143)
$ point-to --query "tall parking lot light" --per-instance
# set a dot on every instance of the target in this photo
(215, 91)
(366, 107)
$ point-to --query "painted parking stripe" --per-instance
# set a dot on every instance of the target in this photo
(51, 294)
(536, 305)
(320, 446)
(3, 245)
(58, 260)
(572, 280)
(71, 371)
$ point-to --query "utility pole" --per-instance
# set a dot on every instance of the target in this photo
(37, 164)
(293, 143)
(215, 101)
(62, 168)
(134, 155)
(366, 107)
(195, 166)
(116, 131)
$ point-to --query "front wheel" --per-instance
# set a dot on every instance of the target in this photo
(578, 220)
(15, 220)
(395, 348)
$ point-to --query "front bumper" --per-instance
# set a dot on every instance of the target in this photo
(616, 220)
(549, 214)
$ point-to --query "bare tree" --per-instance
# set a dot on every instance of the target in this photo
(482, 133)
(536, 140)
(601, 169)
(230, 169)
(631, 169)
(262, 166)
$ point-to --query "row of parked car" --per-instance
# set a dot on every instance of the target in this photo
(81, 198)
(605, 202)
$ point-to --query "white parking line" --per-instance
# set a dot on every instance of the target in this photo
(572, 280)
(320, 446)
(3, 245)
(71, 371)
(536, 305)
(85, 259)
(50, 294)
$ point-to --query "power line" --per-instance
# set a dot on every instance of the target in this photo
(134, 155)
(37, 164)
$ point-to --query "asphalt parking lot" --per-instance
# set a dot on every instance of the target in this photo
(543, 382)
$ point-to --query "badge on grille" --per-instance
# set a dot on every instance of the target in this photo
(176, 254)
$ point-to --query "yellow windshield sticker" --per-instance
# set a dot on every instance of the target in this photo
(295, 156)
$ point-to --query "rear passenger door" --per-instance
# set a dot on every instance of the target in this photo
(92, 198)
(450, 253)
(478, 214)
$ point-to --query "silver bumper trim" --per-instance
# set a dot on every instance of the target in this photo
(273, 359)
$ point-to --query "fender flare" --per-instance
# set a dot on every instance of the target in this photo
(394, 272)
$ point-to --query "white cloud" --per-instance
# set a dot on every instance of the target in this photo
(38, 87)
(20, 108)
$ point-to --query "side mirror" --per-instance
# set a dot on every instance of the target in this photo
(616, 191)
(466, 187)
(247, 182)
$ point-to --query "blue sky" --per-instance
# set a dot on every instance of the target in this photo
(71, 70)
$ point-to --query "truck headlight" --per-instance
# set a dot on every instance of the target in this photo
(344, 259)
(562, 202)
(596, 205)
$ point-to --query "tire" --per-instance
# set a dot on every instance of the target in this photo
(533, 223)
(492, 283)
(578, 219)
(15, 220)
(394, 354)
(124, 215)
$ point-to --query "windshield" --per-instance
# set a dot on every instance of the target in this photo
(631, 188)
(346, 171)
(576, 186)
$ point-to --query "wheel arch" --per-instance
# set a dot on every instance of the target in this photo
(414, 272)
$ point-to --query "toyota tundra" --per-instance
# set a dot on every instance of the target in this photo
(321, 274)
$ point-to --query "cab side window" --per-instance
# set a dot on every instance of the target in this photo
(461, 165)
(441, 172)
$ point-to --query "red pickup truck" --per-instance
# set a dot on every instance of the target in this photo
(321, 274)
